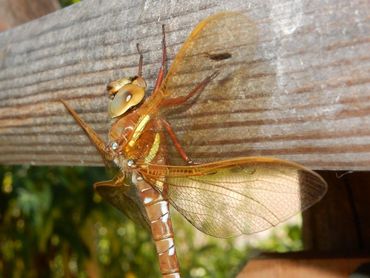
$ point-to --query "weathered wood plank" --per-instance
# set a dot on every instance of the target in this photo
(316, 109)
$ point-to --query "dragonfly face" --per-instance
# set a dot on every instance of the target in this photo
(125, 93)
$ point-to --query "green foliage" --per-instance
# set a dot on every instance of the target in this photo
(65, 3)
(52, 224)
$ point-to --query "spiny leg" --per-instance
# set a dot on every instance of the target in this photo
(176, 142)
(178, 101)
(197, 90)
(117, 192)
(116, 181)
(93, 136)
(163, 70)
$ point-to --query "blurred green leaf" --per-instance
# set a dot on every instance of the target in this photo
(52, 223)
(65, 3)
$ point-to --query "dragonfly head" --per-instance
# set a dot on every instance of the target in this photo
(125, 93)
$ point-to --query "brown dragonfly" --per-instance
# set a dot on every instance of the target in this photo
(221, 198)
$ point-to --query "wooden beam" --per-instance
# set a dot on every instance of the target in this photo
(309, 103)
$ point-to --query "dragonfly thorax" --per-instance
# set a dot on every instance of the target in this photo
(121, 131)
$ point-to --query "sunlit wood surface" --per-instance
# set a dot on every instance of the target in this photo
(308, 99)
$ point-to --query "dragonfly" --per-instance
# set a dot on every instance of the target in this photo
(222, 198)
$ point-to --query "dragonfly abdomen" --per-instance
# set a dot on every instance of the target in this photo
(157, 209)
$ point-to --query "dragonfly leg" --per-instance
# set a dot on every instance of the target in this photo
(163, 70)
(93, 136)
(197, 90)
(116, 181)
(117, 192)
(176, 142)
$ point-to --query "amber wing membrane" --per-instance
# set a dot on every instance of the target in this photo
(224, 43)
(118, 192)
(221, 42)
(240, 196)
(124, 197)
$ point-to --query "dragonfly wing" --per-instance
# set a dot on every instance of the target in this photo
(240, 196)
(124, 196)
(225, 43)
(221, 42)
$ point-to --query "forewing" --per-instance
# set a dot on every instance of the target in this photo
(240, 196)
(221, 43)
(124, 196)
(224, 43)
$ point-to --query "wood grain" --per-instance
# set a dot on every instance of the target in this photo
(317, 114)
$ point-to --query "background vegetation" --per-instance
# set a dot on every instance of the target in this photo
(52, 224)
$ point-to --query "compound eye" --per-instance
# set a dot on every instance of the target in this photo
(114, 86)
(127, 97)
(139, 81)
